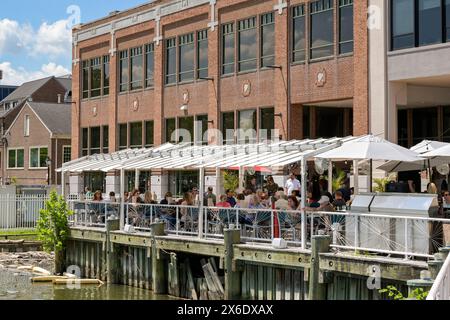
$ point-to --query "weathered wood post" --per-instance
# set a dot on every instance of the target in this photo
(159, 284)
(320, 244)
(112, 259)
(425, 282)
(232, 275)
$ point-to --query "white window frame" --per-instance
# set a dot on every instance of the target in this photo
(63, 153)
(15, 168)
(26, 125)
(29, 157)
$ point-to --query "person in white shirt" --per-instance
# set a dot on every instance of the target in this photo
(292, 185)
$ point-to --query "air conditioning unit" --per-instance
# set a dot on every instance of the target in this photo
(129, 229)
(279, 243)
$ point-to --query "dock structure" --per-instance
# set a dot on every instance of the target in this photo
(168, 263)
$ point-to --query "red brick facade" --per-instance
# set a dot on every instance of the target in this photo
(286, 89)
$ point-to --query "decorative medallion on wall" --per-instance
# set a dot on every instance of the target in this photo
(186, 96)
(95, 111)
(246, 88)
(136, 104)
(321, 78)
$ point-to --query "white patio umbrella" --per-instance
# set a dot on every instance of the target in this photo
(421, 148)
(442, 154)
(371, 148)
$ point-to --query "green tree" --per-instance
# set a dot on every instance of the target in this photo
(53, 228)
(231, 180)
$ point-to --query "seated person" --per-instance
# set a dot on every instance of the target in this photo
(339, 202)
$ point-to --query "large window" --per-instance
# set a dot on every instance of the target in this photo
(186, 57)
(419, 23)
(96, 77)
(201, 129)
(136, 135)
(96, 181)
(186, 130)
(16, 158)
(430, 22)
(85, 75)
(329, 122)
(137, 68)
(149, 65)
(228, 54)
(171, 61)
(267, 124)
(202, 54)
(38, 157)
(67, 154)
(123, 136)
(228, 127)
(299, 33)
(26, 125)
(247, 126)
(149, 134)
(123, 71)
(422, 122)
(181, 182)
(95, 140)
(403, 128)
(322, 29)
(267, 39)
(248, 49)
(106, 73)
(105, 146)
(170, 130)
(345, 26)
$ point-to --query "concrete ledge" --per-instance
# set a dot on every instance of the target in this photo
(19, 246)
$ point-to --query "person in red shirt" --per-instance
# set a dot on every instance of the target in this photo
(223, 202)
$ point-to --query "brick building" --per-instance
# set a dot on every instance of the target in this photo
(299, 67)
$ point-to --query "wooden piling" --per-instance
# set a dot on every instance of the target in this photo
(232, 277)
(159, 284)
(320, 244)
(112, 257)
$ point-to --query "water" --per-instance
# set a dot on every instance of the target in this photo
(16, 285)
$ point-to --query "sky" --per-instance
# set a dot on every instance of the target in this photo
(35, 36)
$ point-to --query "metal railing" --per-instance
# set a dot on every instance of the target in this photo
(441, 286)
(92, 213)
(19, 212)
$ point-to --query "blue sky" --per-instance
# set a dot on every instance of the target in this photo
(35, 35)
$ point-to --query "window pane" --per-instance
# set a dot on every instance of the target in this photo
(425, 124)
(228, 48)
(20, 158)
(228, 127)
(150, 65)
(202, 128)
(43, 157)
(330, 122)
(403, 128)
(12, 158)
(67, 154)
(124, 71)
(267, 40)
(96, 77)
(106, 75)
(187, 57)
(447, 15)
(247, 44)
(430, 22)
(299, 34)
(123, 140)
(34, 158)
(247, 126)
(149, 133)
(170, 129)
(95, 140)
(267, 124)
(85, 75)
(346, 26)
(137, 68)
(402, 24)
(136, 135)
(105, 139)
(186, 129)
(322, 29)
(306, 122)
(171, 61)
(85, 138)
(202, 54)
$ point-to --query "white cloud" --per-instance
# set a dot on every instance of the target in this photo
(17, 76)
(50, 39)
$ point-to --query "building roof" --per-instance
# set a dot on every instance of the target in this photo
(26, 90)
(55, 116)
(66, 82)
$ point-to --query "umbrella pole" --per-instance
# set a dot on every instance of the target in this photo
(430, 172)
(370, 176)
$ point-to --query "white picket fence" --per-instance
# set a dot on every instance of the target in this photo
(20, 211)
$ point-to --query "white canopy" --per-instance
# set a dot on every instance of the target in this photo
(371, 148)
(421, 148)
(442, 154)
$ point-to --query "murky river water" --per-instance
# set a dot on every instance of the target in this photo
(17, 286)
